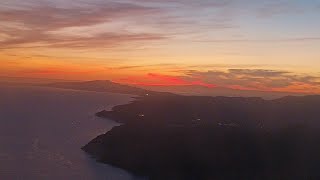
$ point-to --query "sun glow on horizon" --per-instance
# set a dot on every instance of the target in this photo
(244, 45)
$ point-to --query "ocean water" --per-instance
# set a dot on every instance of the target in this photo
(43, 129)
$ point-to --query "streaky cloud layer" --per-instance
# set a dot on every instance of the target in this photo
(239, 44)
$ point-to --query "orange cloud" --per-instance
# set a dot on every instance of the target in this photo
(44, 71)
(236, 79)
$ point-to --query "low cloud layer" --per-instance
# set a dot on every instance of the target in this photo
(260, 79)
(239, 79)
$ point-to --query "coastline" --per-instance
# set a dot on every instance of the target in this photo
(176, 137)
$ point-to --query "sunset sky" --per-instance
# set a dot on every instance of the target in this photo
(269, 45)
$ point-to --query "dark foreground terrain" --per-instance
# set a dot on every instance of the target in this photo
(184, 137)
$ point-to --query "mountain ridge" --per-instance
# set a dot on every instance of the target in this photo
(110, 86)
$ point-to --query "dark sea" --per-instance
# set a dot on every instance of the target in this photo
(43, 129)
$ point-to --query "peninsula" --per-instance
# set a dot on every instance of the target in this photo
(166, 136)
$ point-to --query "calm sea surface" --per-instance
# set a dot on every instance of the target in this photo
(43, 129)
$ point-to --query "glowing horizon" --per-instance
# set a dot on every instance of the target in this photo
(236, 44)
